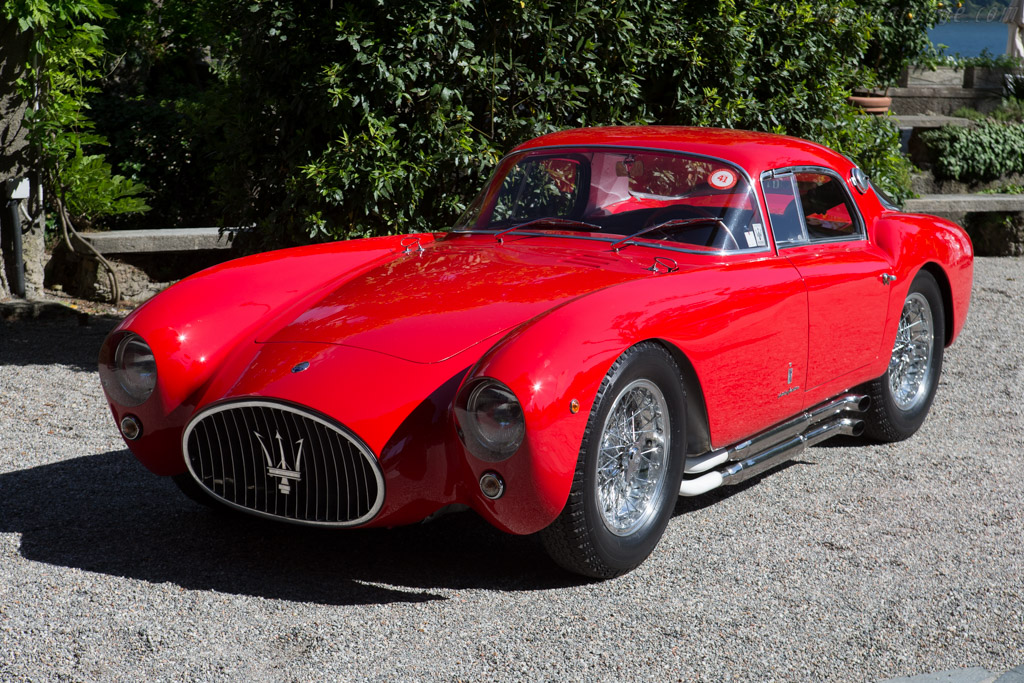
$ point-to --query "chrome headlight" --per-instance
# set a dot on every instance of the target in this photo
(491, 422)
(129, 373)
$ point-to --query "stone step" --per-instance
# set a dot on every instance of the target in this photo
(158, 241)
(965, 203)
(928, 121)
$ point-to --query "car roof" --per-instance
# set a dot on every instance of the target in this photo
(755, 152)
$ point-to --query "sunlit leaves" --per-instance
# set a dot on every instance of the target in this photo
(65, 69)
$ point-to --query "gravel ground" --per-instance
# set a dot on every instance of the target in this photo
(852, 563)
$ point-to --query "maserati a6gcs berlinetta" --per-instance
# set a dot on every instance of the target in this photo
(622, 316)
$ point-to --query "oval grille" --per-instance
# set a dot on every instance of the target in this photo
(279, 461)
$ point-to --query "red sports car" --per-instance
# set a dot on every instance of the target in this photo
(623, 315)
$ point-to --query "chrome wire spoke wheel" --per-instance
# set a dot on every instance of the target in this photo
(632, 463)
(910, 366)
(629, 467)
(903, 395)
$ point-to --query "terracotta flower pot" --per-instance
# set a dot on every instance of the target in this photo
(870, 104)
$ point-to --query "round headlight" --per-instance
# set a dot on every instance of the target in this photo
(130, 376)
(491, 421)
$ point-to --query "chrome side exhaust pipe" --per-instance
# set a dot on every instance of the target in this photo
(845, 403)
(745, 469)
(776, 445)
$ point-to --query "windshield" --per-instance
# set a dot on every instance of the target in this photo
(701, 202)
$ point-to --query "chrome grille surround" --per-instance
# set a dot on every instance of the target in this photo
(281, 461)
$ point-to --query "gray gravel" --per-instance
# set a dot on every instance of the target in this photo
(853, 563)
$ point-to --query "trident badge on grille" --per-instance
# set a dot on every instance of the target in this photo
(281, 471)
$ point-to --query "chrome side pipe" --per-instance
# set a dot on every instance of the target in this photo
(775, 446)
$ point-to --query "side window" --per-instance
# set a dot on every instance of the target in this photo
(784, 210)
(826, 206)
(806, 206)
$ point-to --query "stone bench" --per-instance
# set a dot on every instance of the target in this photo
(946, 204)
(158, 241)
(995, 222)
(929, 121)
(145, 260)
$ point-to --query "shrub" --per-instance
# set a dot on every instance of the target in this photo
(387, 117)
(989, 151)
(874, 144)
(899, 36)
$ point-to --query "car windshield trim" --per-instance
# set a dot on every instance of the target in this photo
(652, 244)
(549, 220)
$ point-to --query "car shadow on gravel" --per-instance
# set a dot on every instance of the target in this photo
(55, 342)
(686, 504)
(104, 513)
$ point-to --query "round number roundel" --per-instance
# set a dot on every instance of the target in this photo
(722, 179)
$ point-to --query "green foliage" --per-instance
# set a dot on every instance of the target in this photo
(874, 144)
(314, 123)
(899, 36)
(1009, 188)
(386, 117)
(1010, 110)
(989, 151)
(91, 188)
(153, 108)
(970, 114)
(987, 60)
(67, 48)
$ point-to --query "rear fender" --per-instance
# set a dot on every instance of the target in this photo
(916, 241)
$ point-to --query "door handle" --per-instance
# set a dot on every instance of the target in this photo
(888, 278)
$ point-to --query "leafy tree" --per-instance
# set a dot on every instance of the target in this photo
(158, 85)
(314, 121)
(899, 36)
(67, 49)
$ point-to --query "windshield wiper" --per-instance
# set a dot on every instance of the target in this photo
(674, 223)
(547, 220)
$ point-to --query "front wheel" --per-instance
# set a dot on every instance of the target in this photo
(629, 468)
(901, 398)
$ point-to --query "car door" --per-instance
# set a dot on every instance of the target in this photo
(818, 228)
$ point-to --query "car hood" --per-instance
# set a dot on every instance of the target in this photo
(428, 306)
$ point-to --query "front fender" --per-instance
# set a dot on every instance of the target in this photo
(545, 376)
(549, 362)
(195, 326)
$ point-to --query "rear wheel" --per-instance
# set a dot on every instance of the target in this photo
(901, 398)
(629, 468)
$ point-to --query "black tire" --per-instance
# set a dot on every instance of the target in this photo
(582, 539)
(896, 414)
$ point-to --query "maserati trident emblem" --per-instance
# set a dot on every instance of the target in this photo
(285, 476)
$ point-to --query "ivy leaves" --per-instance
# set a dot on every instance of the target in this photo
(986, 152)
